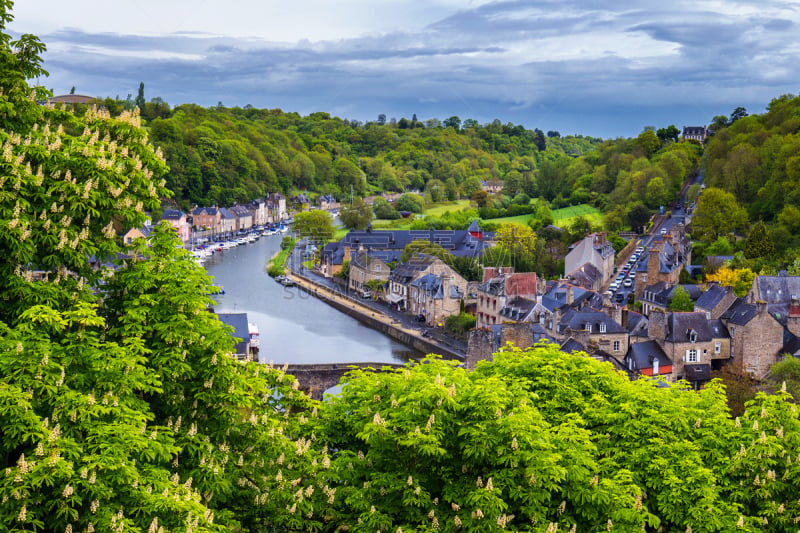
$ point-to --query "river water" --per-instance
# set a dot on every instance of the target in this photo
(295, 327)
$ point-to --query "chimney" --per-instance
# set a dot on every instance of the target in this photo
(445, 287)
(657, 326)
(624, 321)
(347, 254)
(653, 265)
(761, 307)
(570, 294)
(794, 307)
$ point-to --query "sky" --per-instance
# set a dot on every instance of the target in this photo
(603, 68)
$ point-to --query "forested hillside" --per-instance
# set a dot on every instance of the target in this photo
(222, 155)
(757, 158)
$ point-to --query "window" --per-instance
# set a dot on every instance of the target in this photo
(655, 367)
(692, 335)
(691, 356)
(616, 346)
(717, 347)
(587, 327)
(708, 315)
(602, 328)
(733, 331)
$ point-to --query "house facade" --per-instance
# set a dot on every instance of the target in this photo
(244, 218)
(206, 218)
(596, 250)
(499, 286)
(180, 221)
(365, 268)
(434, 297)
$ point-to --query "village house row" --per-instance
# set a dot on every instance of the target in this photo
(751, 333)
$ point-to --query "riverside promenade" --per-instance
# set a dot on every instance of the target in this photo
(389, 325)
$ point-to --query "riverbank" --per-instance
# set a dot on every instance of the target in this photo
(374, 319)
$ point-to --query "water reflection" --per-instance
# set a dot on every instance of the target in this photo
(295, 327)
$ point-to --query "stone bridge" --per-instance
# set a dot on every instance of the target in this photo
(315, 379)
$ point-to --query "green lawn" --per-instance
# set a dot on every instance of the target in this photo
(440, 208)
(561, 217)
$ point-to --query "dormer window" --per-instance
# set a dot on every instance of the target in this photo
(602, 328)
(588, 327)
(692, 335)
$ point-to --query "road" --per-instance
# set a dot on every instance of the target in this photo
(679, 216)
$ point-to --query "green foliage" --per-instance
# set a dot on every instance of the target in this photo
(681, 301)
(383, 210)
(410, 202)
(759, 242)
(344, 273)
(316, 226)
(718, 214)
(785, 375)
(543, 437)
(356, 216)
(276, 266)
(459, 324)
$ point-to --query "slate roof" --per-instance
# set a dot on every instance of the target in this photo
(241, 211)
(585, 275)
(572, 346)
(404, 273)
(204, 210)
(679, 326)
(241, 329)
(578, 320)
(434, 288)
(172, 214)
(740, 312)
(777, 289)
(457, 242)
(556, 297)
(225, 213)
(643, 354)
(712, 297)
(517, 308)
(363, 259)
(474, 227)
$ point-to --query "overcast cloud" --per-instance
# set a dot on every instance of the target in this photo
(595, 67)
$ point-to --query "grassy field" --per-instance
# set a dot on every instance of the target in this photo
(439, 209)
(561, 217)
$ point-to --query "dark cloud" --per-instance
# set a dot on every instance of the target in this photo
(596, 68)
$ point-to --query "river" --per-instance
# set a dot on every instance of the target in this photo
(295, 327)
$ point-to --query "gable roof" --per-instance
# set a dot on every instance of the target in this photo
(680, 326)
(777, 289)
(578, 320)
(172, 214)
(644, 354)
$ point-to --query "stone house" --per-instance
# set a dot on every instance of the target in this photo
(715, 301)
(276, 207)
(326, 202)
(397, 293)
(206, 217)
(666, 258)
(136, 233)
(365, 267)
(241, 333)
(594, 328)
(434, 297)
(179, 220)
(498, 287)
(492, 186)
(244, 218)
(695, 133)
(596, 250)
(694, 344)
(227, 221)
(586, 276)
(659, 296)
(258, 211)
(757, 337)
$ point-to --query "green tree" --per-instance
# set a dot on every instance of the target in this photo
(422, 246)
(786, 374)
(759, 242)
(410, 202)
(638, 217)
(316, 226)
(356, 216)
(681, 301)
(140, 101)
(718, 214)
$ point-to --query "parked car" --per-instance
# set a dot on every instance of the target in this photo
(366, 293)
(620, 297)
(628, 283)
(663, 231)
